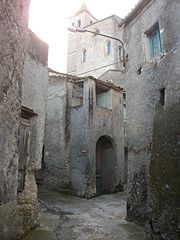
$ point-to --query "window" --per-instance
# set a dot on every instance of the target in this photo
(162, 96)
(91, 22)
(103, 97)
(84, 55)
(73, 24)
(79, 23)
(108, 47)
(154, 40)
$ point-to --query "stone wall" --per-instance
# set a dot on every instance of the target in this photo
(152, 126)
(13, 35)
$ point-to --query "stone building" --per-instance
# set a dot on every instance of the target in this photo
(13, 37)
(83, 126)
(152, 38)
(93, 55)
(21, 55)
(33, 110)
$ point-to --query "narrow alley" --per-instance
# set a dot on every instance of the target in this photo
(69, 218)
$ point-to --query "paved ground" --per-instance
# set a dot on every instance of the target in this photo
(69, 218)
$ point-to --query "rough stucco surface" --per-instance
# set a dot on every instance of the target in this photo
(90, 122)
(56, 155)
(13, 31)
(153, 128)
(34, 92)
(72, 133)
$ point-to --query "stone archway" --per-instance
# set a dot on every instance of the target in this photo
(106, 162)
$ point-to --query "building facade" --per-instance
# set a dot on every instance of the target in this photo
(152, 86)
(24, 78)
(91, 54)
(81, 115)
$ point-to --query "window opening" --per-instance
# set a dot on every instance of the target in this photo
(103, 97)
(77, 94)
(162, 96)
(79, 23)
(108, 48)
(84, 55)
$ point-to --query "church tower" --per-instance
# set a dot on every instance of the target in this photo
(82, 18)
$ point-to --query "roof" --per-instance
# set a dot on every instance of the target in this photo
(75, 79)
(137, 10)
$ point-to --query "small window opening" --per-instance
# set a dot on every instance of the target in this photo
(162, 96)
(84, 55)
(108, 47)
(73, 24)
(91, 22)
(103, 97)
(139, 71)
(79, 23)
(77, 94)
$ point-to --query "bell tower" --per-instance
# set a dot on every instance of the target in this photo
(82, 18)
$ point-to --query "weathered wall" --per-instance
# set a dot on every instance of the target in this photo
(56, 135)
(73, 126)
(13, 33)
(34, 95)
(88, 123)
(150, 140)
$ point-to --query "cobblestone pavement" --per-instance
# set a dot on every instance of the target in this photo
(68, 218)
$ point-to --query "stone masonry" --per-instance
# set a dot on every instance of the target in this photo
(153, 94)
(13, 35)
(24, 78)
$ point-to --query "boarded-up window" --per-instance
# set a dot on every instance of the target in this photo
(77, 94)
(23, 152)
(103, 97)
(24, 146)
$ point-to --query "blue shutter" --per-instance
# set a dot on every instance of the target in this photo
(155, 43)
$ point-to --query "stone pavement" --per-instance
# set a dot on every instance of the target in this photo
(65, 217)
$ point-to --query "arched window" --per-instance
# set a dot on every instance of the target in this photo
(79, 23)
(108, 47)
(84, 55)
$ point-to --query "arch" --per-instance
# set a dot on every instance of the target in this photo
(106, 162)
(108, 47)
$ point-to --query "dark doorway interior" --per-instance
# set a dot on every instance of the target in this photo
(106, 162)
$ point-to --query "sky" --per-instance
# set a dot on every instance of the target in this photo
(49, 20)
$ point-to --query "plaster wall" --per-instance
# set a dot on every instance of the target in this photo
(56, 135)
(34, 93)
(88, 124)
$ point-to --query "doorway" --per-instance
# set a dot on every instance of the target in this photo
(106, 165)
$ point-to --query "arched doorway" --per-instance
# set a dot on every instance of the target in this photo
(106, 162)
